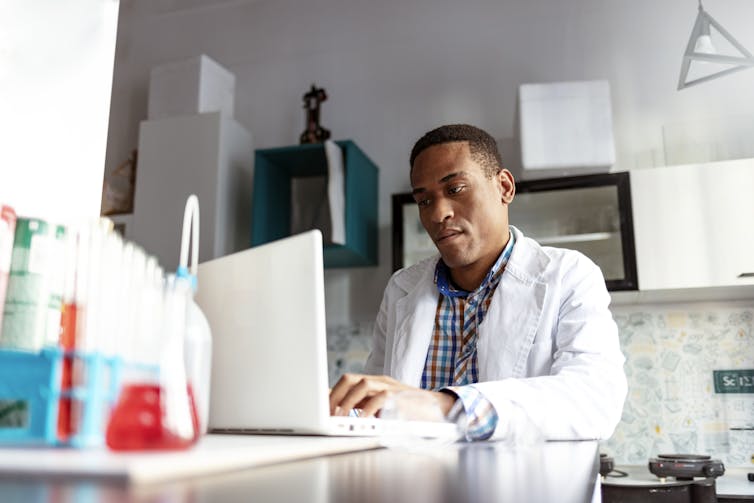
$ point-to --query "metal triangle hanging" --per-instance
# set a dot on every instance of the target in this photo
(703, 20)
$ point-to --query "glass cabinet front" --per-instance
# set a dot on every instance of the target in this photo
(591, 214)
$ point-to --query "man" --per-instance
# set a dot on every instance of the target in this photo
(518, 334)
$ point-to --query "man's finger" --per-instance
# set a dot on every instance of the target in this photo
(375, 403)
(356, 394)
(341, 388)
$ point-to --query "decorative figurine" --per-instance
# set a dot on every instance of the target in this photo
(314, 133)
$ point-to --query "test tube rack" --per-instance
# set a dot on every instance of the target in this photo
(30, 394)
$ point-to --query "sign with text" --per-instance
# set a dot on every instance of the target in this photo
(734, 381)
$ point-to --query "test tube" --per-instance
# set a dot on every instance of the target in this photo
(68, 317)
(53, 282)
(109, 293)
(124, 314)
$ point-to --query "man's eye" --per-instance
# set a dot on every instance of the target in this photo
(423, 202)
(456, 189)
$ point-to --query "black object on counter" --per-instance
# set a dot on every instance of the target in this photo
(606, 464)
(695, 491)
(685, 466)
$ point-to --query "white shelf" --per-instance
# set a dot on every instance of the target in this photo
(576, 238)
(683, 295)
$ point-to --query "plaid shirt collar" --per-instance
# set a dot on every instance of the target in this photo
(442, 273)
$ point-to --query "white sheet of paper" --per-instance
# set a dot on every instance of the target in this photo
(336, 192)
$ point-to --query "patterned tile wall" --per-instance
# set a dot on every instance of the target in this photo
(671, 352)
(672, 406)
(347, 349)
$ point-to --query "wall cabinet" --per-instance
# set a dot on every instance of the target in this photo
(695, 225)
(668, 234)
(591, 214)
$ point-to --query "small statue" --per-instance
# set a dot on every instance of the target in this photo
(314, 133)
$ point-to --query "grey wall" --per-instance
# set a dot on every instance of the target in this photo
(394, 69)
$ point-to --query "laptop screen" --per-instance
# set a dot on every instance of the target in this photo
(266, 309)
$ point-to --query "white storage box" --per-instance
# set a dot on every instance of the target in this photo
(566, 128)
(191, 86)
(208, 155)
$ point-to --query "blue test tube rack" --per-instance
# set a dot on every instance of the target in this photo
(30, 388)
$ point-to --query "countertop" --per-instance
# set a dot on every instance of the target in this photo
(424, 472)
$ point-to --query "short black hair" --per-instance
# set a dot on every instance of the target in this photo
(482, 145)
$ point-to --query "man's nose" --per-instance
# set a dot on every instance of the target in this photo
(441, 210)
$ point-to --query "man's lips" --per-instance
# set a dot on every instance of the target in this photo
(447, 234)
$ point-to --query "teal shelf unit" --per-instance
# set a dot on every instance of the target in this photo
(271, 208)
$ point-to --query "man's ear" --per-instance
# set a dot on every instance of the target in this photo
(507, 186)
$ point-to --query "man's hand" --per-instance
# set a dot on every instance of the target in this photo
(368, 393)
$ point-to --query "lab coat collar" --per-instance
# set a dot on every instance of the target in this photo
(528, 261)
(414, 320)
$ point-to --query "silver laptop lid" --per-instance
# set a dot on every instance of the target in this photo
(266, 309)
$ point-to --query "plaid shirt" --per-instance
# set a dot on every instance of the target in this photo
(452, 355)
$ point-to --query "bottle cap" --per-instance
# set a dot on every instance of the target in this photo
(183, 272)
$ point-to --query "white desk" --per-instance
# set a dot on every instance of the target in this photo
(477, 472)
(213, 454)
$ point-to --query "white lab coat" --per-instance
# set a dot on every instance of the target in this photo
(548, 349)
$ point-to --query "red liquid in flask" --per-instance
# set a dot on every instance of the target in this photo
(137, 421)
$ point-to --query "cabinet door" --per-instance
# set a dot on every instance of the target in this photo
(411, 243)
(590, 214)
(694, 225)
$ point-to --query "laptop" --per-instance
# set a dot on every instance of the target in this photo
(266, 309)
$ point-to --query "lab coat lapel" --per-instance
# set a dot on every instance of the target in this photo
(508, 331)
(414, 321)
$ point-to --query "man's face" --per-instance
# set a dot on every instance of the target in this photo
(464, 212)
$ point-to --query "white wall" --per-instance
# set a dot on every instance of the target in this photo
(395, 68)
(56, 70)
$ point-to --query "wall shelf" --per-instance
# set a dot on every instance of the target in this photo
(276, 168)
(576, 238)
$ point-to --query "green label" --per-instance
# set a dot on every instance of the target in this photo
(734, 381)
(14, 414)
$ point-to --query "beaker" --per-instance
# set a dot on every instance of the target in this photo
(156, 409)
